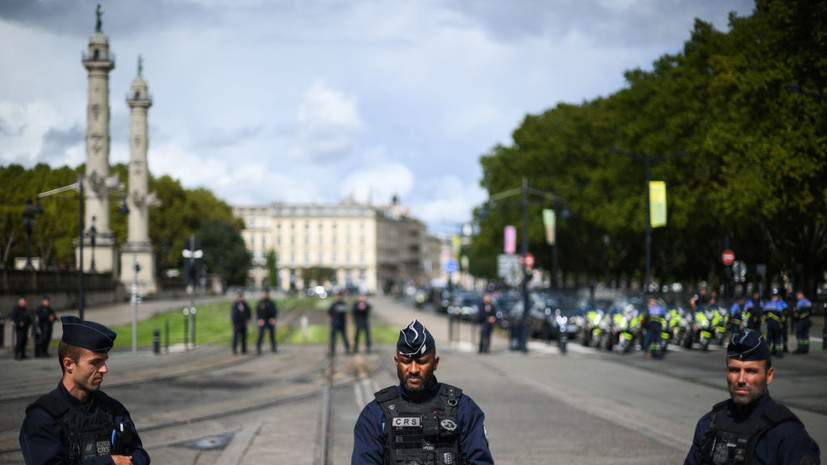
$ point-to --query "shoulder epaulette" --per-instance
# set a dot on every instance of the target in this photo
(52, 404)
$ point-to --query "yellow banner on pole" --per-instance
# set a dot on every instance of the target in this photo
(657, 203)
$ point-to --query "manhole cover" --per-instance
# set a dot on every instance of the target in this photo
(210, 442)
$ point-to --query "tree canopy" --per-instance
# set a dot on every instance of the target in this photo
(753, 176)
(182, 212)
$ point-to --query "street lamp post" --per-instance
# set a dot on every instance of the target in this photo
(524, 191)
(28, 220)
(93, 232)
(647, 160)
(81, 229)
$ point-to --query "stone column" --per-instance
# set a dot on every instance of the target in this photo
(138, 248)
(97, 182)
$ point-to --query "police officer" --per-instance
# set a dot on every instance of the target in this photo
(338, 322)
(46, 318)
(750, 428)
(736, 314)
(754, 309)
(240, 315)
(266, 313)
(700, 300)
(487, 318)
(774, 317)
(420, 420)
(361, 316)
(653, 339)
(22, 321)
(77, 423)
(802, 311)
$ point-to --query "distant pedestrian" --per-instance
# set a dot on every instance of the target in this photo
(46, 318)
(240, 315)
(266, 313)
(361, 317)
(487, 317)
(338, 322)
(803, 309)
(22, 321)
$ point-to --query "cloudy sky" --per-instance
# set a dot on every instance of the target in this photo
(318, 100)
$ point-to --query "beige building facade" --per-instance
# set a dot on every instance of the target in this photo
(368, 248)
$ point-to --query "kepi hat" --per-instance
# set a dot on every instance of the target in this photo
(415, 341)
(748, 345)
(87, 334)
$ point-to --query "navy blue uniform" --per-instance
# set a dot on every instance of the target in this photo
(787, 442)
(240, 315)
(46, 318)
(361, 316)
(22, 320)
(487, 318)
(338, 324)
(368, 434)
(803, 309)
(266, 313)
(775, 314)
(40, 435)
(754, 307)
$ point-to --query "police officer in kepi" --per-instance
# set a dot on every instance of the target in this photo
(338, 322)
(750, 428)
(361, 317)
(46, 318)
(240, 316)
(22, 320)
(420, 420)
(77, 423)
(266, 313)
(801, 314)
(775, 315)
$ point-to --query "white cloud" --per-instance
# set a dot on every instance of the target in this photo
(378, 183)
(23, 128)
(327, 122)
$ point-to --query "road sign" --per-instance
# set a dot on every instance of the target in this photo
(508, 265)
(451, 266)
(728, 257)
(739, 270)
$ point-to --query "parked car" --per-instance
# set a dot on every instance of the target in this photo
(465, 306)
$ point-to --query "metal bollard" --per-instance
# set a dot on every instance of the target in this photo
(156, 342)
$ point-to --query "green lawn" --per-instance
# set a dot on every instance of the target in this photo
(212, 326)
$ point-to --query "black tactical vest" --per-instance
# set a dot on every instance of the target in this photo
(728, 443)
(421, 434)
(85, 435)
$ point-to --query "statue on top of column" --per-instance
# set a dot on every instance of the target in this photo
(98, 22)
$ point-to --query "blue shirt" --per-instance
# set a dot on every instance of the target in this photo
(786, 442)
(40, 434)
(369, 438)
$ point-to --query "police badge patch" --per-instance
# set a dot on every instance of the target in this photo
(448, 425)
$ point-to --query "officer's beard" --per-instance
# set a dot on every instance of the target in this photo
(427, 382)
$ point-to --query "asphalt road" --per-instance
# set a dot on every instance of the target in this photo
(206, 406)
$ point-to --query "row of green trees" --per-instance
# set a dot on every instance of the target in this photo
(754, 175)
(182, 212)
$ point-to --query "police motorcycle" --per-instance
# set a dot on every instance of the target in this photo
(625, 329)
(590, 332)
(719, 320)
(420, 298)
(702, 329)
